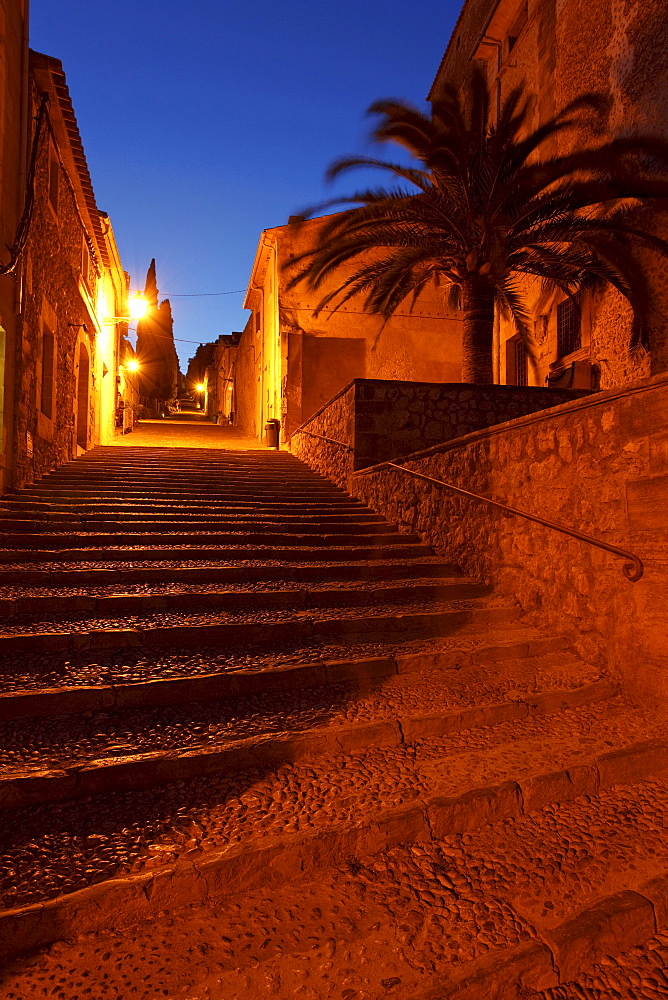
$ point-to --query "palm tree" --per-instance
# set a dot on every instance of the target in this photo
(486, 205)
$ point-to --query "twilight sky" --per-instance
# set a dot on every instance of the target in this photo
(204, 124)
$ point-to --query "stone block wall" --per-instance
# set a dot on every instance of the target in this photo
(383, 419)
(598, 465)
(393, 419)
(336, 422)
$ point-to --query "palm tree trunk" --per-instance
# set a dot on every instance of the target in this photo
(478, 332)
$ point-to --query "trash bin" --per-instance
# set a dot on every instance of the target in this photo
(272, 433)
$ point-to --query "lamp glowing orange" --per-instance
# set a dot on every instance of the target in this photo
(200, 387)
(132, 365)
(138, 306)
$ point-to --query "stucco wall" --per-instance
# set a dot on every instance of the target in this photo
(245, 383)
(598, 465)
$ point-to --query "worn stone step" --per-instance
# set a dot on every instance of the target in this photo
(570, 797)
(173, 480)
(52, 760)
(152, 630)
(103, 573)
(150, 506)
(86, 524)
(213, 514)
(54, 683)
(57, 603)
(51, 685)
(114, 553)
(288, 495)
(349, 930)
(70, 539)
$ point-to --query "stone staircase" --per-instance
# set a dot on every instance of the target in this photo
(254, 741)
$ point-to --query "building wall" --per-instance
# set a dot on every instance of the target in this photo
(13, 138)
(247, 378)
(303, 360)
(73, 288)
(598, 465)
(565, 49)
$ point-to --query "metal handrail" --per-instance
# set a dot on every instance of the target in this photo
(341, 444)
(632, 570)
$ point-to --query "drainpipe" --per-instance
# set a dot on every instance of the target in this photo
(498, 44)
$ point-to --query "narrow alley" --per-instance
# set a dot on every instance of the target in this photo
(255, 741)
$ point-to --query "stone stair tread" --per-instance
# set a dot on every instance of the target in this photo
(69, 741)
(88, 840)
(637, 974)
(54, 671)
(229, 570)
(74, 540)
(390, 614)
(341, 934)
(21, 605)
(415, 921)
(220, 552)
(167, 588)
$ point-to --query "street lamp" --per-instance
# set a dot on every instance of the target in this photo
(137, 305)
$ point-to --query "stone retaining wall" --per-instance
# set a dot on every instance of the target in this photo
(599, 465)
(383, 419)
(335, 421)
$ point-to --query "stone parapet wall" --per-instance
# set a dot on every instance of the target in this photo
(598, 465)
(382, 419)
(394, 419)
(336, 421)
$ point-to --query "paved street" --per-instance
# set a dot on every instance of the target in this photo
(190, 430)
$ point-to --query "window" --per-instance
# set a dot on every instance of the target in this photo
(87, 268)
(46, 394)
(569, 326)
(521, 364)
(54, 180)
(516, 28)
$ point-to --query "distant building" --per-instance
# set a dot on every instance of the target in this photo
(559, 50)
(289, 362)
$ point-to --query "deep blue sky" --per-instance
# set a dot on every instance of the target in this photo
(206, 123)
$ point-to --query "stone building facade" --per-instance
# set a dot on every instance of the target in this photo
(299, 360)
(559, 50)
(71, 291)
(13, 143)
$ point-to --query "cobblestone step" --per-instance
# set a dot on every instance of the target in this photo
(170, 523)
(188, 733)
(52, 760)
(152, 630)
(290, 495)
(217, 570)
(131, 553)
(351, 929)
(253, 502)
(71, 539)
(57, 683)
(58, 603)
(453, 849)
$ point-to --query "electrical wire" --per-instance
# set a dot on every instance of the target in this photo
(23, 228)
(200, 295)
